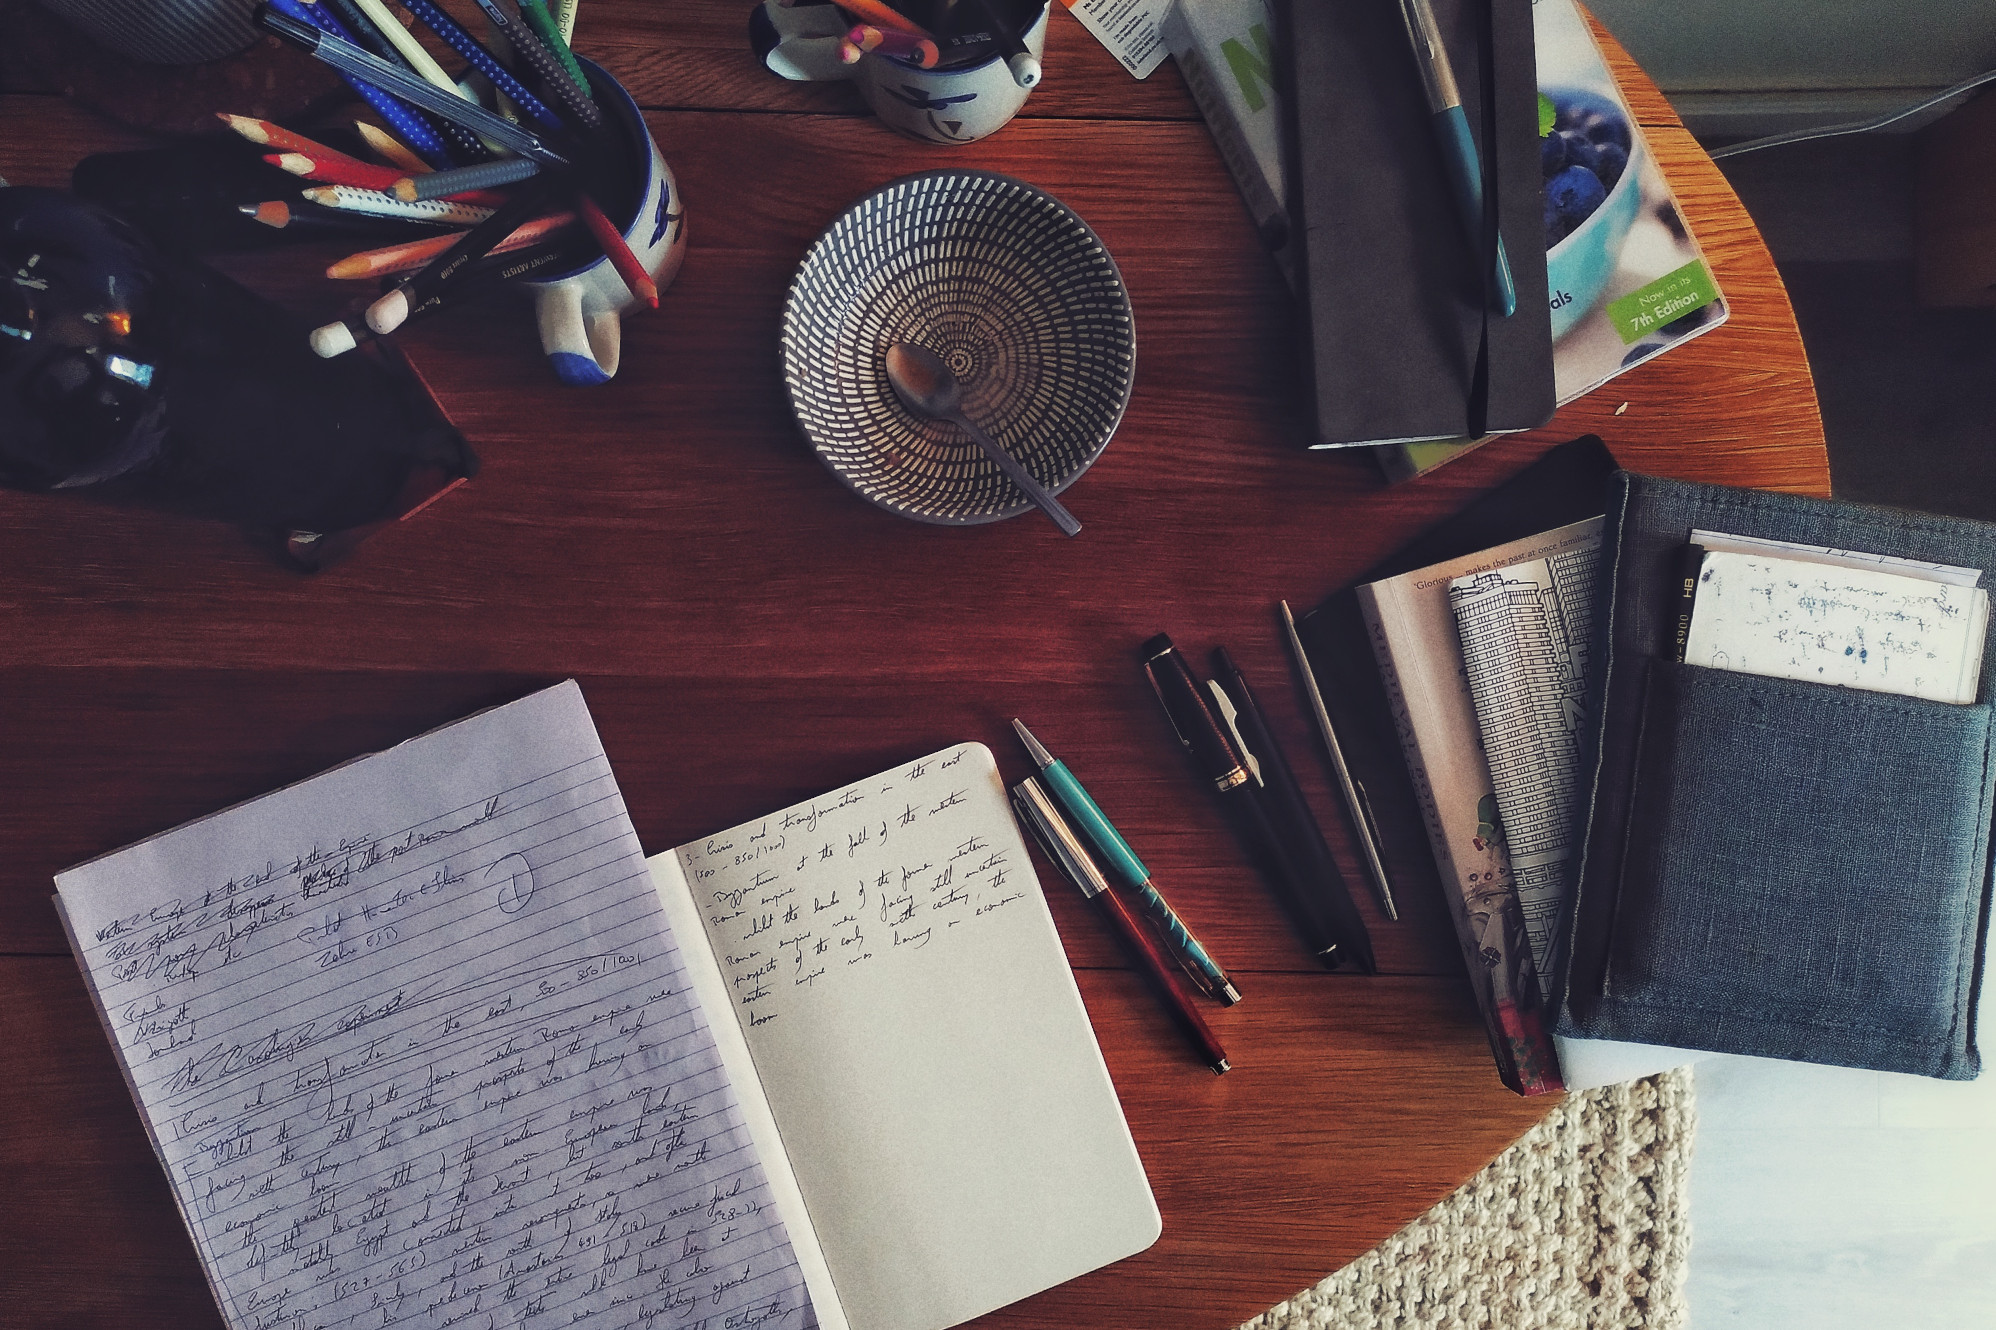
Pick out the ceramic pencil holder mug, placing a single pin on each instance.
(949, 104)
(580, 310)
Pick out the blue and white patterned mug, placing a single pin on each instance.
(959, 105)
(580, 310)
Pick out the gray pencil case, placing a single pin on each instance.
(1772, 867)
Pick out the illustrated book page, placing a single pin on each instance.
(897, 982)
(1524, 630)
(416, 1046)
(1415, 639)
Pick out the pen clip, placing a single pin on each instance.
(1233, 719)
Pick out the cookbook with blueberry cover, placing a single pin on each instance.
(1626, 280)
(1402, 340)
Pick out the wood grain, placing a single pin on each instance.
(749, 633)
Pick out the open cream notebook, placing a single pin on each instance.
(425, 1041)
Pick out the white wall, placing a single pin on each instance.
(1744, 67)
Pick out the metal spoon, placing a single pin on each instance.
(926, 387)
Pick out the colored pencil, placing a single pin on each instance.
(265, 133)
(553, 78)
(402, 117)
(383, 35)
(390, 147)
(882, 15)
(341, 170)
(443, 184)
(564, 18)
(374, 203)
(413, 254)
(535, 12)
(387, 313)
(619, 253)
(351, 59)
(302, 219)
(466, 45)
(368, 33)
(479, 279)
(918, 51)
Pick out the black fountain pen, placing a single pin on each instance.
(1221, 762)
(1290, 811)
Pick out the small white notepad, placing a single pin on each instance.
(1858, 627)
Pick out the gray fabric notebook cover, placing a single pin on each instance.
(1770, 867)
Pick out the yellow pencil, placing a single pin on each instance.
(392, 148)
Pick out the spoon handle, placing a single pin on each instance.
(1021, 477)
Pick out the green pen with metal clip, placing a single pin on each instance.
(1109, 843)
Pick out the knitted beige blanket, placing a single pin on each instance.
(1579, 1226)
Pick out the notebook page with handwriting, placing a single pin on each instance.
(895, 976)
(416, 1047)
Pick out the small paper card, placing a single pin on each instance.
(1867, 628)
(1128, 28)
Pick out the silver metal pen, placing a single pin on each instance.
(1366, 831)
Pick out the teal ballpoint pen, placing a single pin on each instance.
(1452, 129)
(1109, 843)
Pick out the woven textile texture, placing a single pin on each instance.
(1581, 1225)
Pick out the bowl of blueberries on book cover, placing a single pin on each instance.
(1593, 193)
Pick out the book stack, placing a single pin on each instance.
(1632, 744)
(1625, 278)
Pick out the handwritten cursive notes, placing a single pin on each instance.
(1860, 627)
(417, 1048)
(923, 1054)
(797, 902)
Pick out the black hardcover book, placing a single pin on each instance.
(1400, 343)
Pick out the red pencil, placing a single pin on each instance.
(338, 170)
(882, 15)
(276, 136)
(619, 253)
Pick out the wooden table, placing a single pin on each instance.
(749, 633)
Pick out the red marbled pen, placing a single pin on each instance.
(1062, 846)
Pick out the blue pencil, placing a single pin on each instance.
(481, 59)
(403, 119)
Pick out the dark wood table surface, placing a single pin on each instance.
(749, 633)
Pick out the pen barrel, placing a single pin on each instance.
(1176, 1000)
(1199, 966)
(1308, 909)
(1318, 879)
(1465, 175)
(1094, 824)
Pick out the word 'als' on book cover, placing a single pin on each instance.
(425, 1039)
(1626, 279)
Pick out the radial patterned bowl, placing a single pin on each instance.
(1011, 289)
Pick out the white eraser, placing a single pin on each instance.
(335, 339)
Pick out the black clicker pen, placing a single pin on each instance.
(1221, 762)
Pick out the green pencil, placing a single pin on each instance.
(542, 25)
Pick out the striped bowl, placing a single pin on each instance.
(1013, 290)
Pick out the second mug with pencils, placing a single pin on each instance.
(944, 71)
